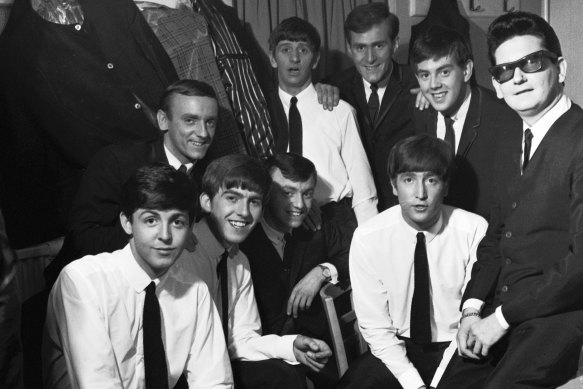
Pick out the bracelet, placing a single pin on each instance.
(470, 314)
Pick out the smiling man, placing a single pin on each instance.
(345, 190)
(377, 87)
(470, 119)
(522, 323)
(234, 188)
(409, 266)
(290, 264)
(187, 118)
(130, 319)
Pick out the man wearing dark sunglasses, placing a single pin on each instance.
(522, 318)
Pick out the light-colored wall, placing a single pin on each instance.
(565, 17)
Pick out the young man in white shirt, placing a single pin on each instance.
(409, 266)
(233, 190)
(330, 139)
(130, 319)
(470, 118)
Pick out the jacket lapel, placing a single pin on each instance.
(471, 124)
(391, 93)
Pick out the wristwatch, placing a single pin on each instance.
(326, 273)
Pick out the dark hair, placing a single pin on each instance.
(364, 17)
(295, 29)
(236, 171)
(292, 166)
(185, 88)
(420, 153)
(513, 24)
(160, 187)
(438, 42)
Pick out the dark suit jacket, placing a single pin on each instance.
(274, 278)
(65, 94)
(531, 260)
(471, 187)
(394, 121)
(94, 225)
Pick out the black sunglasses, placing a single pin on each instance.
(531, 63)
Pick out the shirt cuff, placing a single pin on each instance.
(333, 272)
(285, 349)
(473, 303)
(411, 379)
(365, 209)
(501, 320)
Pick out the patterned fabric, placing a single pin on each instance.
(240, 82)
(184, 36)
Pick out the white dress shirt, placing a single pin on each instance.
(380, 91)
(332, 142)
(381, 272)
(245, 340)
(459, 119)
(94, 334)
(174, 162)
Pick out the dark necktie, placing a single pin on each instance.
(182, 169)
(295, 127)
(420, 321)
(224, 283)
(373, 103)
(527, 145)
(449, 133)
(154, 355)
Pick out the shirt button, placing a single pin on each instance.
(78, 27)
(514, 205)
(137, 106)
(505, 288)
(508, 261)
(508, 234)
(110, 66)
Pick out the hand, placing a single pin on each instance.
(421, 102)
(311, 352)
(487, 331)
(328, 95)
(313, 221)
(466, 341)
(304, 292)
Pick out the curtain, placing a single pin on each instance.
(262, 16)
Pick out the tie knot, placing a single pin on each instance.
(374, 88)
(294, 100)
(528, 134)
(420, 237)
(151, 288)
(448, 119)
(182, 169)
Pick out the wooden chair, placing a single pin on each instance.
(347, 341)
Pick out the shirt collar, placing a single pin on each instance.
(304, 95)
(431, 233)
(135, 275)
(462, 111)
(542, 126)
(174, 162)
(207, 240)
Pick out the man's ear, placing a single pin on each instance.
(162, 119)
(272, 60)
(396, 43)
(562, 66)
(126, 223)
(315, 60)
(468, 70)
(205, 202)
(394, 187)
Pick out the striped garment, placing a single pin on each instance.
(247, 99)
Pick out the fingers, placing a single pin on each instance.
(292, 303)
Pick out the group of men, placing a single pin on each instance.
(199, 273)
